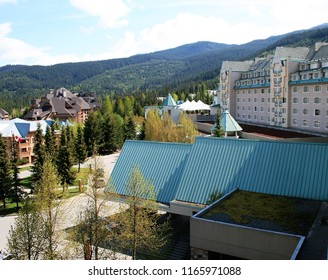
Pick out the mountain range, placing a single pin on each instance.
(162, 70)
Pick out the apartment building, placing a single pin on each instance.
(288, 89)
(63, 105)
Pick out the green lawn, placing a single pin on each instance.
(10, 208)
(83, 175)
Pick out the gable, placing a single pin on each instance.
(162, 163)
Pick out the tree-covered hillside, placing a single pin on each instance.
(177, 69)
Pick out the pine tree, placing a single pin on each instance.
(92, 132)
(39, 154)
(129, 129)
(218, 131)
(65, 161)
(6, 180)
(50, 142)
(80, 150)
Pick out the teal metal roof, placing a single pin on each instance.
(163, 163)
(228, 123)
(272, 167)
(169, 101)
(191, 173)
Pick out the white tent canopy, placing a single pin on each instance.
(194, 106)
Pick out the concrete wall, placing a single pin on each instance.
(185, 209)
(242, 242)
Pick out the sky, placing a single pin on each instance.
(46, 32)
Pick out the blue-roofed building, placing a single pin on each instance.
(190, 173)
(23, 132)
(185, 177)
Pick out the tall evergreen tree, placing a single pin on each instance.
(39, 154)
(129, 129)
(50, 143)
(218, 131)
(80, 150)
(92, 132)
(5, 172)
(65, 161)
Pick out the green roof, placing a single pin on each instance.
(169, 101)
(191, 173)
(163, 163)
(228, 123)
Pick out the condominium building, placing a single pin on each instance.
(288, 89)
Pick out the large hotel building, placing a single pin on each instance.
(288, 89)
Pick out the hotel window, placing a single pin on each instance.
(304, 76)
(262, 118)
(249, 117)
(305, 111)
(305, 100)
(249, 108)
(255, 109)
(295, 100)
(284, 110)
(317, 112)
(326, 113)
(316, 124)
(238, 108)
(262, 90)
(255, 117)
(262, 100)
(262, 109)
(316, 76)
(283, 120)
(295, 121)
(305, 123)
(255, 99)
(238, 100)
(295, 89)
(249, 100)
(238, 115)
(305, 89)
(317, 100)
(317, 88)
(295, 111)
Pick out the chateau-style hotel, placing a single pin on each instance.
(288, 89)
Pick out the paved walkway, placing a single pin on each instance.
(72, 208)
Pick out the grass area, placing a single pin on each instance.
(26, 182)
(10, 208)
(24, 168)
(293, 215)
(71, 192)
(83, 175)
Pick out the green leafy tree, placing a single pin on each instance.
(153, 126)
(136, 227)
(6, 180)
(80, 150)
(107, 106)
(187, 130)
(47, 203)
(91, 230)
(26, 237)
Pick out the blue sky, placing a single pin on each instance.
(47, 32)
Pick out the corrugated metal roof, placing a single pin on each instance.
(272, 167)
(169, 101)
(228, 123)
(163, 163)
(191, 173)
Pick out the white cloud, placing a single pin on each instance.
(111, 13)
(15, 51)
(8, 1)
(186, 28)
